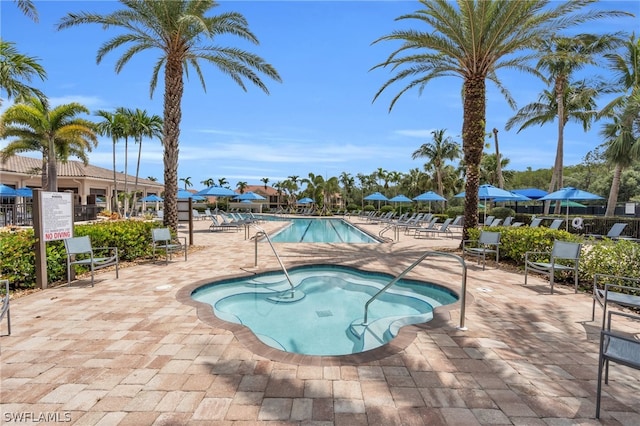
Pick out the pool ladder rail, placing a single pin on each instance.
(290, 295)
(463, 290)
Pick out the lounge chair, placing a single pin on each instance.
(444, 229)
(413, 228)
(564, 256)
(80, 252)
(488, 221)
(556, 224)
(508, 221)
(494, 223)
(621, 348)
(4, 309)
(612, 289)
(614, 232)
(488, 243)
(222, 226)
(535, 222)
(162, 241)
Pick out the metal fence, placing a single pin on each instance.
(21, 214)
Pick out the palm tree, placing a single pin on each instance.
(241, 186)
(473, 41)
(348, 183)
(126, 118)
(208, 182)
(143, 125)
(265, 181)
(578, 105)
(28, 8)
(562, 58)
(222, 182)
(15, 68)
(112, 126)
(55, 132)
(498, 160)
(181, 32)
(623, 133)
(438, 152)
(187, 182)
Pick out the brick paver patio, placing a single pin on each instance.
(130, 352)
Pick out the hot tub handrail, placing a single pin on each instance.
(413, 265)
(262, 232)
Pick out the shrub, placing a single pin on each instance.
(17, 262)
(353, 207)
(502, 212)
(610, 257)
(455, 211)
(515, 242)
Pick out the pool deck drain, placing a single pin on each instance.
(123, 353)
(325, 313)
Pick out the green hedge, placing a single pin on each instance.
(17, 257)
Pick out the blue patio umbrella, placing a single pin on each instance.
(429, 196)
(488, 192)
(306, 200)
(570, 193)
(514, 197)
(376, 196)
(151, 198)
(532, 193)
(7, 191)
(401, 198)
(249, 196)
(183, 194)
(24, 192)
(216, 191)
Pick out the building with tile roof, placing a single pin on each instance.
(86, 182)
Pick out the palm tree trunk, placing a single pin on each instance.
(126, 173)
(114, 196)
(52, 167)
(498, 160)
(174, 87)
(473, 132)
(135, 186)
(613, 193)
(559, 162)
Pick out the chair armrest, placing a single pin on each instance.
(465, 242)
(526, 255)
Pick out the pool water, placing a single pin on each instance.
(327, 314)
(321, 231)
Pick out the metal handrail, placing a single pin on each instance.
(413, 265)
(386, 228)
(263, 233)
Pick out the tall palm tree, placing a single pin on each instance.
(187, 182)
(562, 58)
(16, 69)
(223, 182)
(111, 126)
(623, 134)
(181, 32)
(125, 115)
(265, 181)
(241, 186)
(438, 152)
(143, 125)
(57, 133)
(347, 182)
(208, 182)
(578, 105)
(473, 40)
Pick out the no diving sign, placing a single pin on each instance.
(57, 215)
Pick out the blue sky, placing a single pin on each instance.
(320, 119)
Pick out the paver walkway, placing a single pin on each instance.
(128, 352)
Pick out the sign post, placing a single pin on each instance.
(52, 220)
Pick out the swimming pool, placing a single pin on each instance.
(321, 230)
(326, 316)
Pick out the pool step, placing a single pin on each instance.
(371, 335)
